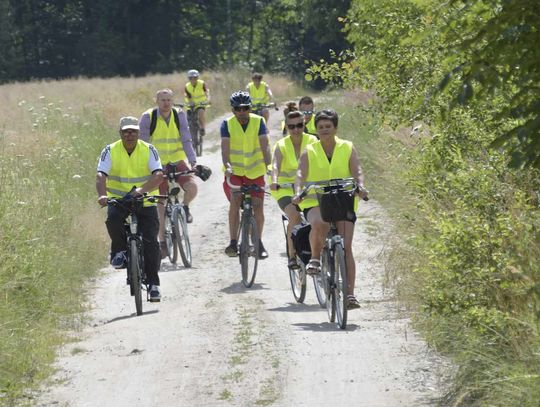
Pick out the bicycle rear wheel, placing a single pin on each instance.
(320, 281)
(181, 234)
(134, 270)
(249, 250)
(340, 285)
(298, 282)
(171, 236)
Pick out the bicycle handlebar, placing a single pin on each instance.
(243, 188)
(335, 184)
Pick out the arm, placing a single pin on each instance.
(226, 153)
(186, 139)
(276, 165)
(206, 92)
(356, 172)
(301, 176)
(101, 188)
(270, 95)
(265, 148)
(151, 184)
(144, 125)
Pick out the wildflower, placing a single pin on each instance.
(76, 176)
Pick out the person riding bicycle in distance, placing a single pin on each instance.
(284, 165)
(329, 158)
(260, 93)
(126, 163)
(167, 129)
(245, 155)
(196, 96)
(307, 107)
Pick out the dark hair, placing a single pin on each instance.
(256, 75)
(294, 114)
(327, 114)
(305, 100)
(289, 107)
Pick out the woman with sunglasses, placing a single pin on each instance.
(284, 166)
(329, 158)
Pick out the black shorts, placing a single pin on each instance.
(306, 211)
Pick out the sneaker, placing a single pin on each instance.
(352, 302)
(119, 260)
(263, 254)
(189, 216)
(164, 250)
(155, 294)
(232, 250)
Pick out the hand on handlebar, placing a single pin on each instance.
(362, 193)
(228, 169)
(274, 186)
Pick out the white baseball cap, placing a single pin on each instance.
(129, 122)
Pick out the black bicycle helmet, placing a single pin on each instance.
(240, 98)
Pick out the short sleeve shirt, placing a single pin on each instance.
(105, 162)
(225, 130)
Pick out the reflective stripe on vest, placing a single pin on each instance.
(196, 92)
(258, 95)
(246, 156)
(320, 169)
(128, 170)
(167, 140)
(289, 163)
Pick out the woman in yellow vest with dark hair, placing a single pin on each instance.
(328, 158)
(284, 166)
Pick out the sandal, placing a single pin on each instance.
(352, 302)
(293, 264)
(313, 267)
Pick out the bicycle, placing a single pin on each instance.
(248, 234)
(135, 256)
(194, 125)
(336, 203)
(258, 108)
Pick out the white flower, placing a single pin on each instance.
(76, 176)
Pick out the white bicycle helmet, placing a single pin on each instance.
(193, 73)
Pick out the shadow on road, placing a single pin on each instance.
(238, 288)
(154, 311)
(298, 307)
(167, 267)
(324, 327)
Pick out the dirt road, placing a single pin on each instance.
(211, 342)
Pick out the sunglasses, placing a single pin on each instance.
(241, 108)
(295, 126)
(307, 112)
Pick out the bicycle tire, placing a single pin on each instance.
(298, 282)
(135, 275)
(194, 130)
(199, 145)
(340, 285)
(328, 276)
(182, 236)
(249, 251)
(171, 235)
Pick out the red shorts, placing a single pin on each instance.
(242, 180)
(181, 179)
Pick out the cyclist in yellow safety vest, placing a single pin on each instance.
(197, 96)
(167, 129)
(328, 158)
(125, 164)
(307, 107)
(260, 93)
(245, 155)
(284, 166)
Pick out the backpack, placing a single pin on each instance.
(153, 120)
(300, 239)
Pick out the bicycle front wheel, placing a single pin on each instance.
(249, 250)
(298, 281)
(340, 285)
(134, 270)
(171, 236)
(327, 275)
(198, 144)
(182, 237)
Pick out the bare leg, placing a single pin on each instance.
(258, 211)
(190, 192)
(319, 230)
(234, 216)
(294, 219)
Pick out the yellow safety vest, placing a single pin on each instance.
(258, 95)
(167, 140)
(196, 92)
(245, 150)
(310, 126)
(320, 169)
(128, 170)
(289, 163)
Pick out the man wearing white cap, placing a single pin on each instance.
(124, 164)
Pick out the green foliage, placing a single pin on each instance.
(467, 72)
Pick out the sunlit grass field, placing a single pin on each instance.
(52, 232)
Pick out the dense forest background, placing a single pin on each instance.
(59, 39)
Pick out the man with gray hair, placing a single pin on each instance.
(167, 129)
